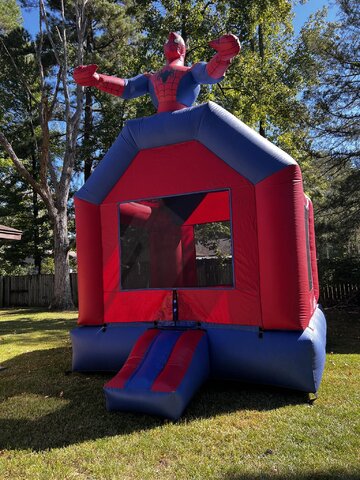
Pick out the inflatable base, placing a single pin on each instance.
(289, 359)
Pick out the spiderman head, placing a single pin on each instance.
(174, 48)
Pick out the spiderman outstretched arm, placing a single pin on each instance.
(227, 48)
(87, 76)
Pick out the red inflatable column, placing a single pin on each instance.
(189, 256)
(314, 267)
(286, 300)
(89, 258)
(136, 214)
(165, 253)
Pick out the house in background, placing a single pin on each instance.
(9, 233)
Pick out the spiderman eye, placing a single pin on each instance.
(176, 40)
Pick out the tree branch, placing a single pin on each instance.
(43, 16)
(43, 106)
(22, 170)
(72, 120)
(56, 91)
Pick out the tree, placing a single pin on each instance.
(263, 84)
(21, 206)
(32, 253)
(9, 16)
(55, 103)
(111, 41)
(330, 53)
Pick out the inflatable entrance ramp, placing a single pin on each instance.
(162, 373)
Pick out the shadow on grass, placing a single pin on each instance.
(343, 330)
(42, 407)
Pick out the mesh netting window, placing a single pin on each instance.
(182, 241)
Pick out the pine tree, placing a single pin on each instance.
(330, 52)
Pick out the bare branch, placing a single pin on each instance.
(64, 63)
(53, 176)
(43, 15)
(72, 120)
(43, 107)
(56, 91)
(45, 144)
(42, 190)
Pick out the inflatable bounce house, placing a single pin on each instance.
(196, 250)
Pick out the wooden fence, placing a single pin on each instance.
(31, 290)
(342, 294)
(37, 290)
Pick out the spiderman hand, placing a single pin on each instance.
(86, 75)
(227, 46)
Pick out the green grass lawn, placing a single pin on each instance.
(54, 425)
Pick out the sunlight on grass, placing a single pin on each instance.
(24, 330)
(55, 426)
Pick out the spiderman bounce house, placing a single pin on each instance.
(196, 249)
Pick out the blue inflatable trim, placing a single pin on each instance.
(103, 348)
(289, 359)
(137, 395)
(243, 149)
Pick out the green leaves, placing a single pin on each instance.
(10, 16)
(329, 54)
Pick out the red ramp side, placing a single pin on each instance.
(162, 373)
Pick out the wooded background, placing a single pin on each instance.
(299, 91)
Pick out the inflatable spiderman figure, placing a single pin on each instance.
(175, 86)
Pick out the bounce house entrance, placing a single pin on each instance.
(181, 241)
(169, 243)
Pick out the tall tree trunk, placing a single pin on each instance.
(35, 212)
(35, 209)
(262, 128)
(261, 42)
(88, 118)
(62, 299)
(88, 126)
(262, 57)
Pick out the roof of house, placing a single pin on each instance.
(9, 233)
(223, 248)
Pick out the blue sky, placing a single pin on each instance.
(302, 13)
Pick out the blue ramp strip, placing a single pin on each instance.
(138, 394)
(153, 362)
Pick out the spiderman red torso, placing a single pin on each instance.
(171, 88)
(164, 85)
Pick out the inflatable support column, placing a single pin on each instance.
(162, 373)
